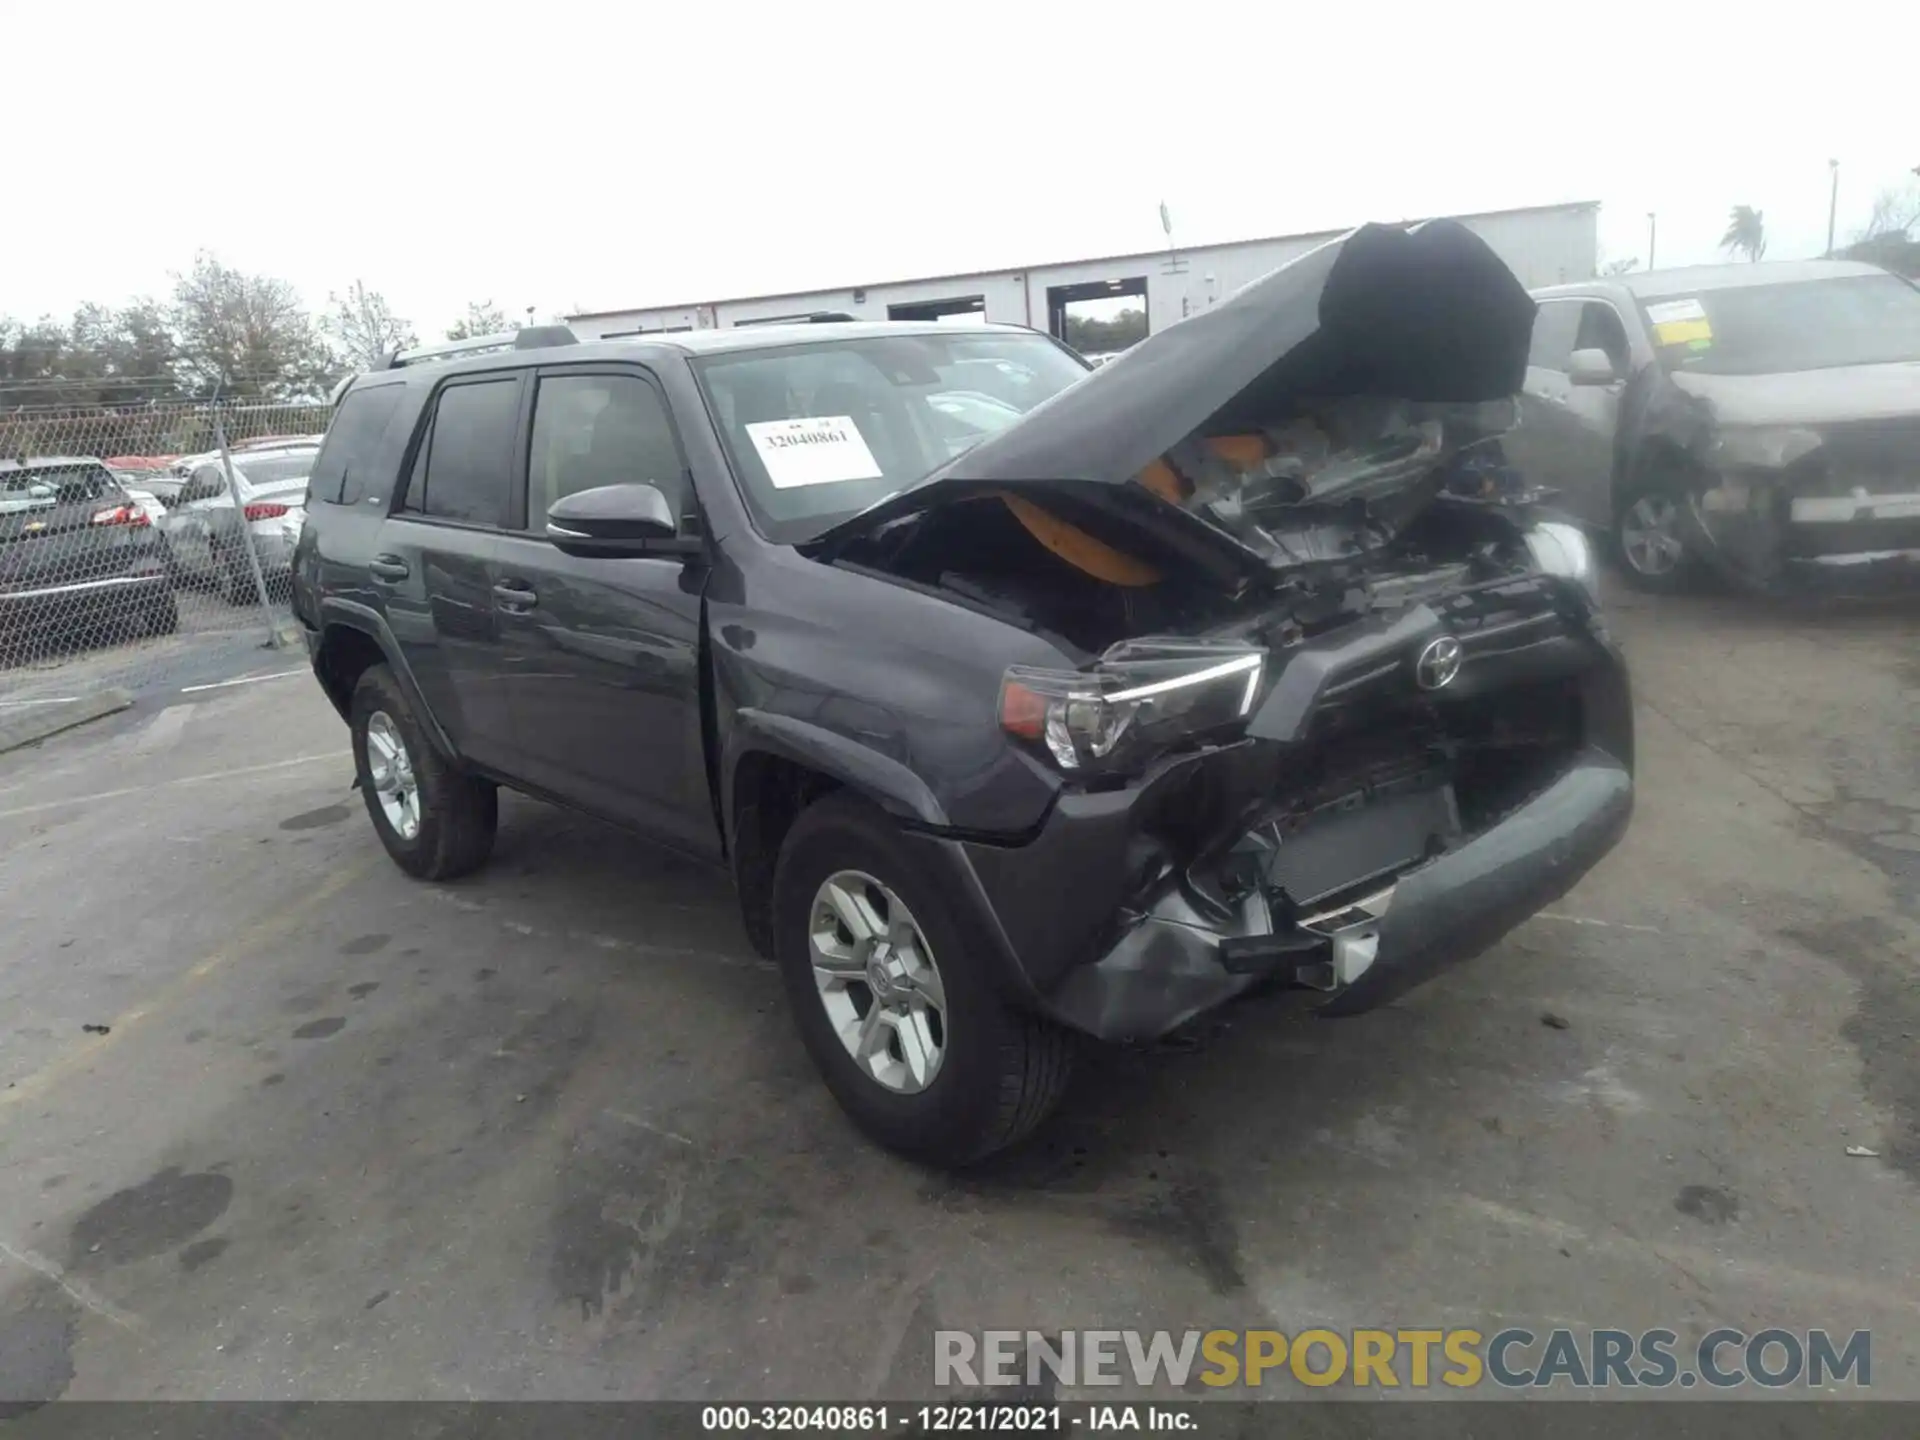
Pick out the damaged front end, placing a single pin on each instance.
(1785, 479)
(1336, 706)
(1348, 811)
(1796, 510)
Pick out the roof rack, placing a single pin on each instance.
(816, 317)
(527, 337)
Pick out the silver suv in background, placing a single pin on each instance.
(1761, 421)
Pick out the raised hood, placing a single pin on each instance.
(1427, 321)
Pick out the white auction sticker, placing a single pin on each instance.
(1667, 312)
(813, 450)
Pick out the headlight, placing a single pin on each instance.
(1141, 698)
(1767, 447)
(1559, 549)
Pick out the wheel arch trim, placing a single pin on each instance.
(351, 615)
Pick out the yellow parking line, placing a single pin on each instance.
(246, 942)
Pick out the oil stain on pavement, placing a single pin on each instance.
(314, 819)
(149, 1218)
(1708, 1204)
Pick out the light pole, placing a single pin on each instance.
(1833, 202)
(1650, 237)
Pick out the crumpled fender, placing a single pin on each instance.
(1665, 432)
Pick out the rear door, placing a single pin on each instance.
(432, 563)
(189, 524)
(603, 655)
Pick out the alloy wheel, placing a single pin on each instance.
(878, 981)
(390, 771)
(1650, 535)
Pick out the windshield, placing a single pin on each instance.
(817, 432)
(1777, 329)
(268, 469)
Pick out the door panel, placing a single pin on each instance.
(1565, 437)
(436, 585)
(602, 655)
(1588, 415)
(602, 658)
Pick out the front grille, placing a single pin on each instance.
(1882, 455)
(1491, 623)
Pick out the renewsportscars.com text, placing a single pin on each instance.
(1405, 1358)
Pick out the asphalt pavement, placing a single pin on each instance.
(548, 1132)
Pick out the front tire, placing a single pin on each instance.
(901, 1017)
(1647, 538)
(436, 822)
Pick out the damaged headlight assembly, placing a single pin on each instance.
(1561, 549)
(1143, 697)
(1765, 447)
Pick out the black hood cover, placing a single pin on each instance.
(1428, 313)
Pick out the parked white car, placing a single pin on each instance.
(205, 534)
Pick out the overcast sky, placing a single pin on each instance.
(597, 156)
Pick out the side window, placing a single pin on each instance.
(339, 475)
(206, 482)
(469, 454)
(594, 430)
(1600, 329)
(1554, 328)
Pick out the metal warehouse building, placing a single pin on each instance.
(1544, 244)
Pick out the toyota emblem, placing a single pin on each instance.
(1439, 662)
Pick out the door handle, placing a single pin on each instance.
(388, 567)
(515, 597)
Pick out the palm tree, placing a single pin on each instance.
(1746, 233)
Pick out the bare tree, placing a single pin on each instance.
(363, 327)
(1895, 212)
(1890, 239)
(247, 335)
(483, 317)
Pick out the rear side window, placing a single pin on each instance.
(339, 475)
(469, 454)
(1554, 328)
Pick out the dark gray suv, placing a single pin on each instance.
(1019, 700)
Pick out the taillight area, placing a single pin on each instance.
(122, 515)
(264, 510)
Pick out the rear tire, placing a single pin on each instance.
(999, 1072)
(444, 823)
(236, 580)
(163, 615)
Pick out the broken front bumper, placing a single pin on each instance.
(1311, 852)
(1171, 965)
(1858, 544)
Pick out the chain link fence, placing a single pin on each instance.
(146, 548)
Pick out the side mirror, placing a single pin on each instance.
(611, 521)
(1591, 367)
